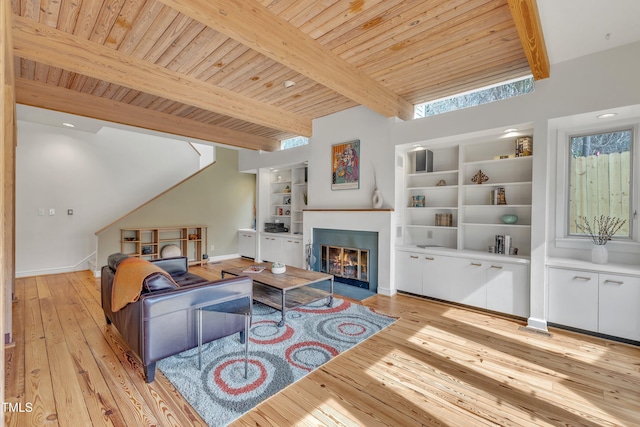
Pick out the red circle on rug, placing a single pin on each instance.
(236, 391)
(288, 333)
(358, 329)
(345, 305)
(310, 344)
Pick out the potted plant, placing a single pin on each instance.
(601, 230)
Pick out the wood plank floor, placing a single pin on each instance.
(437, 365)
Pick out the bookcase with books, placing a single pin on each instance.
(499, 205)
(464, 233)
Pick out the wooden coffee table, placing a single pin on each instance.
(287, 290)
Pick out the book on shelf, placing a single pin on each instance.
(498, 196)
(254, 269)
(503, 244)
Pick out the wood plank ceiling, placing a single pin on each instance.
(214, 69)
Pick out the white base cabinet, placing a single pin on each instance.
(247, 243)
(595, 301)
(285, 249)
(497, 286)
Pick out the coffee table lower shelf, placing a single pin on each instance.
(294, 297)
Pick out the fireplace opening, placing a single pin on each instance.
(351, 256)
(348, 265)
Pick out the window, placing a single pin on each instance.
(293, 142)
(476, 97)
(600, 179)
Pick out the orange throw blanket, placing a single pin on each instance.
(127, 283)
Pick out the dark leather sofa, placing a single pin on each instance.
(163, 320)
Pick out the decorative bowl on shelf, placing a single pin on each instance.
(509, 218)
(278, 268)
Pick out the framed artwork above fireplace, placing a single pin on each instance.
(345, 165)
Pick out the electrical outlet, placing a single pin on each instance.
(52, 211)
(213, 248)
(40, 211)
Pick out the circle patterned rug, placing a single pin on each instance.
(278, 356)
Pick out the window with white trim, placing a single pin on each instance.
(600, 180)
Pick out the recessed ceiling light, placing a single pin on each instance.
(510, 130)
(69, 125)
(607, 115)
(288, 83)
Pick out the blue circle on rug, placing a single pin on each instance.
(308, 355)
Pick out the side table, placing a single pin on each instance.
(239, 307)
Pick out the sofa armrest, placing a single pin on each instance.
(174, 266)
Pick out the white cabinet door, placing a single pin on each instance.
(468, 284)
(573, 298)
(508, 289)
(619, 313)
(409, 272)
(437, 272)
(247, 244)
(292, 252)
(271, 249)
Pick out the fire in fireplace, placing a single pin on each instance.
(348, 265)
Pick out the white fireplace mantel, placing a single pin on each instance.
(374, 220)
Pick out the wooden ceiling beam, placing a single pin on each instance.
(49, 46)
(527, 19)
(253, 25)
(42, 95)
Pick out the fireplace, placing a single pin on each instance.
(348, 265)
(351, 256)
(377, 223)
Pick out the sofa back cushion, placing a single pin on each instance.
(114, 260)
(157, 282)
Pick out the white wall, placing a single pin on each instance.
(376, 151)
(101, 176)
(592, 83)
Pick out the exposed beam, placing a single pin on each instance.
(55, 48)
(41, 95)
(527, 19)
(253, 25)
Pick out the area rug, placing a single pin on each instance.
(313, 334)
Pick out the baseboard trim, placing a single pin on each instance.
(219, 258)
(535, 331)
(539, 324)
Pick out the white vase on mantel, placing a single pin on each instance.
(599, 254)
(377, 199)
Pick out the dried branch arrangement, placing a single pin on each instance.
(602, 229)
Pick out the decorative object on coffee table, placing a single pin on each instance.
(278, 268)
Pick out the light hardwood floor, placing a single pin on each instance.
(437, 365)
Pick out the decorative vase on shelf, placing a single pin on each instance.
(599, 254)
(377, 199)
